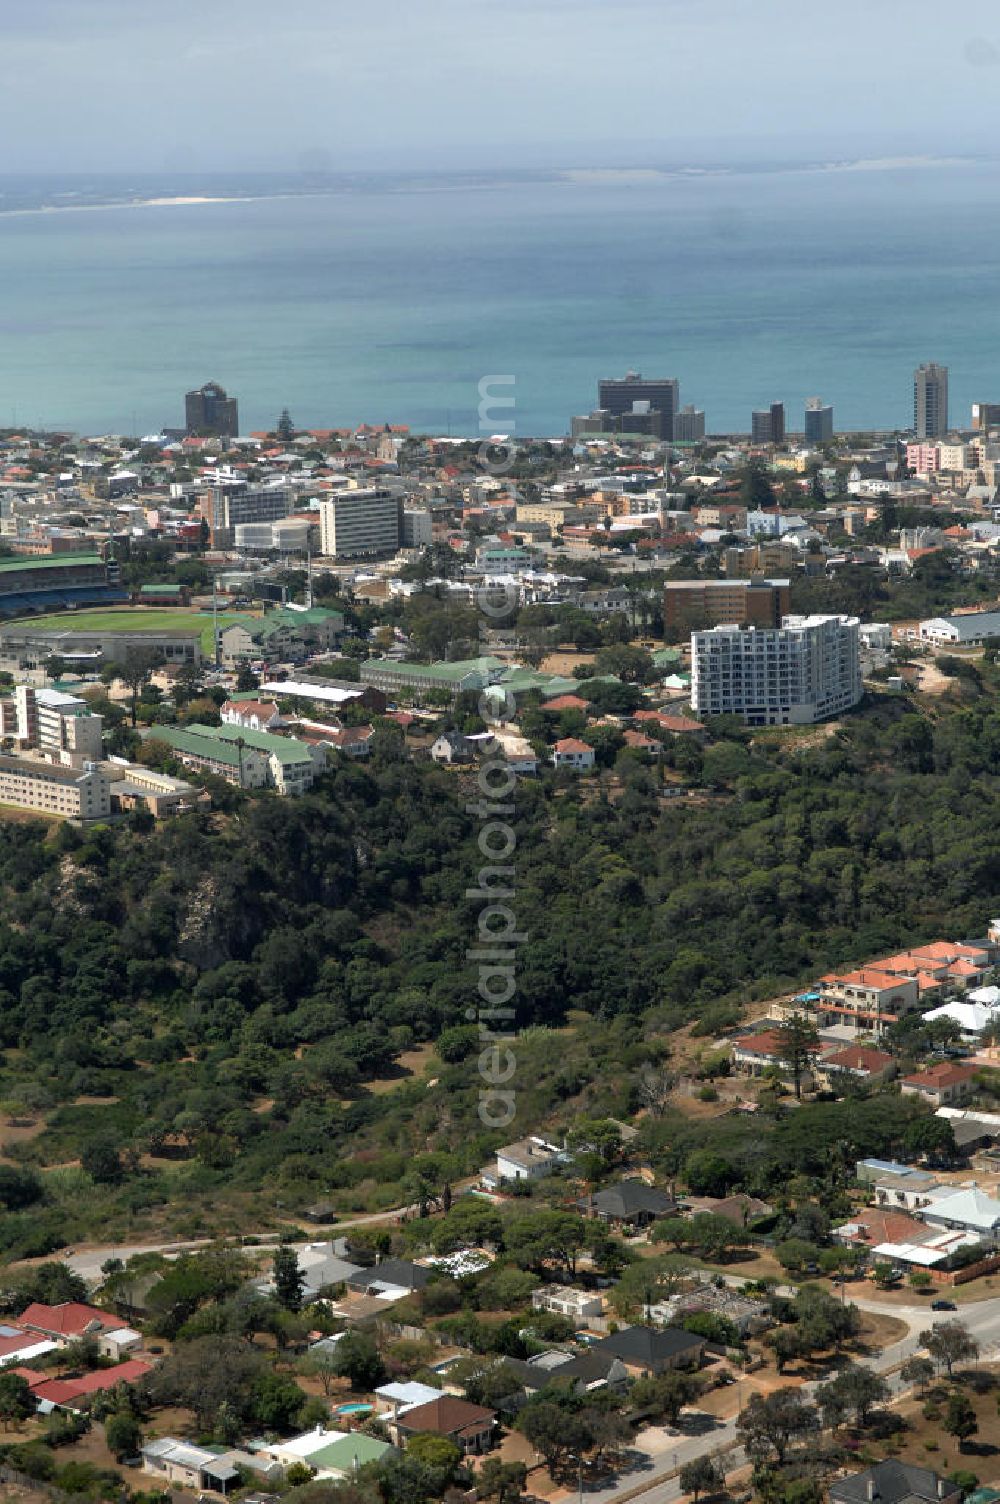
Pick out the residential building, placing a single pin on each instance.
(649, 1351)
(570, 752)
(755, 1053)
(912, 1190)
(689, 425)
(564, 1300)
(470, 1427)
(72, 793)
(360, 522)
(767, 425)
(390, 1274)
(941, 1084)
(818, 421)
(451, 747)
(967, 1209)
(254, 714)
(235, 503)
(528, 1159)
(69, 1321)
(858, 1062)
(342, 1456)
(985, 415)
(930, 401)
(893, 1482)
(209, 410)
(689, 605)
(61, 726)
(804, 671)
(73, 1394)
(867, 999)
(392, 1399)
(197, 1468)
(768, 557)
(631, 394)
(631, 1203)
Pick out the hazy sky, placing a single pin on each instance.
(204, 84)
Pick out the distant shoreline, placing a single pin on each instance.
(374, 184)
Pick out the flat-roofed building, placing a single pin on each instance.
(72, 793)
(360, 522)
(689, 605)
(804, 671)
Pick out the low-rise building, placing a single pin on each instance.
(134, 786)
(470, 1427)
(649, 1351)
(941, 1084)
(256, 715)
(244, 766)
(968, 629)
(631, 1203)
(893, 1482)
(528, 1159)
(70, 793)
(417, 679)
(564, 1300)
(570, 752)
(287, 634)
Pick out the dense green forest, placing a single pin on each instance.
(193, 1015)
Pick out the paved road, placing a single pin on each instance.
(656, 1482)
(88, 1262)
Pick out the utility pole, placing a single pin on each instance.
(215, 622)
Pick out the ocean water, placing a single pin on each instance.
(374, 300)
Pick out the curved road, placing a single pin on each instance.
(657, 1482)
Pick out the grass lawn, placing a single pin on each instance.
(141, 619)
(927, 1444)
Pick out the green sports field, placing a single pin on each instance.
(141, 619)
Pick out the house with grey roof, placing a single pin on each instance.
(631, 1203)
(649, 1351)
(893, 1482)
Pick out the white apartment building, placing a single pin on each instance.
(358, 522)
(803, 671)
(59, 725)
(73, 793)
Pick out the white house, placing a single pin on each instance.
(527, 1159)
(254, 715)
(570, 752)
(969, 1210)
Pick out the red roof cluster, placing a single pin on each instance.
(71, 1319)
(65, 1391)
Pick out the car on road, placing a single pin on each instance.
(943, 1305)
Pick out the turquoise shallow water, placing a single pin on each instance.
(392, 304)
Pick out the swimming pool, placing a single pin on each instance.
(353, 1409)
